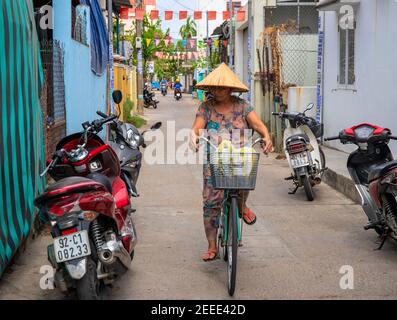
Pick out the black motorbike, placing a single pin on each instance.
(374, 172)
(149, 100)
(126, 140)
(163, 89)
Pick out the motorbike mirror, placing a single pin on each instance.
(117, 96)
(309, 107)
(156, 126)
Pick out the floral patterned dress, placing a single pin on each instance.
(221, 125)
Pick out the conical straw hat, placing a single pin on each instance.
(222, 76)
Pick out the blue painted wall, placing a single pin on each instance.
(85, 92)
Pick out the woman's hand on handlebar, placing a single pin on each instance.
(194, 141)
(267, 145)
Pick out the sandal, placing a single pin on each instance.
(209, 255)
(249, 216)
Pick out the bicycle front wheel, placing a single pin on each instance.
(232, 246)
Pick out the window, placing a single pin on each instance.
(79, 23)
(346, 75)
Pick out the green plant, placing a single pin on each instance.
(127, 108)
(189, 29)
(137, 121)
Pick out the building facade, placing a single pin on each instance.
(81, 30)
(276, 48)
(360, 69)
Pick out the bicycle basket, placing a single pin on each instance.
(234, 170)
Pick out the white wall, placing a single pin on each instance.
(376, 71)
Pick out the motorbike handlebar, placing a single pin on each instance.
(331, 138)
(58, 155)
(101, 114)
(393, 137)
(108, 119)
(280, 114)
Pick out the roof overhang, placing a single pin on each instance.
(335, 5)
(117, 4)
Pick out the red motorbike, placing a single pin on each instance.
(374, 172)
(90, 213)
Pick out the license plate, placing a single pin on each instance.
(299, 160)
(72, 246)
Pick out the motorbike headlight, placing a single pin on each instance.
(132, 139)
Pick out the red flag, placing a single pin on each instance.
(226, 15)
(139, 14)
(198, 15)
(168, 15)
(182, 15)
(240, 16)
(154, 14)
(124, 13)
(211, 15)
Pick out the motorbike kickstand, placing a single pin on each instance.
(294, 190)
(383, 240)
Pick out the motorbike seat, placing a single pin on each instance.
(297, 137)
(102, 179)
(381, 170)
(67, 186)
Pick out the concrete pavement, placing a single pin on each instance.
(294, 251)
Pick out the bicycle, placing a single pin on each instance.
(232, 175)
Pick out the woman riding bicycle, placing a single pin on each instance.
(224, 113)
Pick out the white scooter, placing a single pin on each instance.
(304, 155)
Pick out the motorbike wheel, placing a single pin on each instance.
(155, 105)
(90, 287)
(308, 188)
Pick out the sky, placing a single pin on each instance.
(190, 6)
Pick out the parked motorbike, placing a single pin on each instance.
(373, 170)
(304, 155)
(149, 100)
(178, 95)
(126, 140)
(164, 89)
(90, 213)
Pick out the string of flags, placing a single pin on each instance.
(181, 15)
(186, 43)
(180, 56)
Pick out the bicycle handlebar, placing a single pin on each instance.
(215, 147)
